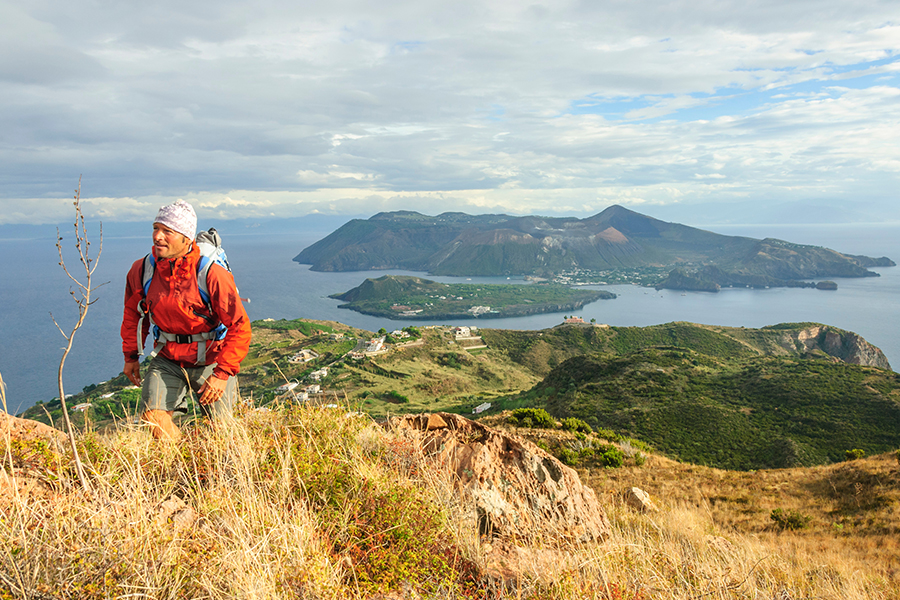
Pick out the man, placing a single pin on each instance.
(186, 358)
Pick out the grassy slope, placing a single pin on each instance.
(308, 502)
(729, 397)
(313, 490)
(756, 413)
(725, 403)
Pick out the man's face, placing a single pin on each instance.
(169, 243)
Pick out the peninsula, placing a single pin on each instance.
(404, 297)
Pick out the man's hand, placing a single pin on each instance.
(132, 371)
(212, 389)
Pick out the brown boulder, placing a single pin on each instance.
(639, 499)
(517, 489)
(34, 448)
(26, 430)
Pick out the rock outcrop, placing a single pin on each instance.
(26, 430)
(518, 490)
(844, 345)
(31, 447)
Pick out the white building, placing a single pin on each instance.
(481, 408)
(462, 332)
(287, 387)
(375, 345)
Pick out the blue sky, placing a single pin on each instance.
(693, 110)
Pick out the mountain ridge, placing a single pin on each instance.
(500, 245)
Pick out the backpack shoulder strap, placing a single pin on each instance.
(203, 266)
(147, 269)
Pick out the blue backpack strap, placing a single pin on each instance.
(202, 284)
(147, 272)
(147, 269)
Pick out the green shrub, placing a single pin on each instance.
(567, 456)
(535, 417)
(790, 520)
(854, 454)
(639, 459)
(396, 397)
(611, 456)
(575, 425)
(607, 434)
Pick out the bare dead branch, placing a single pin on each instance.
(83, 301)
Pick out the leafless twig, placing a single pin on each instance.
(83, 300)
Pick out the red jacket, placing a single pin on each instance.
(173, 299)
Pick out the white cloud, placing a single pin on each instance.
(457, 106)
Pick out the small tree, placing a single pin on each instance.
(83, 299)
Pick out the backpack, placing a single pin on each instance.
(211, 252)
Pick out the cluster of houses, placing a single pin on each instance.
(304, 394)
(306, 391)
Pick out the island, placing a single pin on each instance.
(617, 245)
(406, 297)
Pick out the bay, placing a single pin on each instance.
(32, 285)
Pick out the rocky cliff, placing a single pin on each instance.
(843, 345)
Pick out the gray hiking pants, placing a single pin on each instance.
(165, 387)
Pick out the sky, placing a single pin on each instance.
(741, 111)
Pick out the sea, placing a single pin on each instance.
(34, 290)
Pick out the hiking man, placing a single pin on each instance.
(198, 343)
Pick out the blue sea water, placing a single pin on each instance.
(32, 286)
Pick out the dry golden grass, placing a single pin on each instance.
(313, 503)
(853, 532)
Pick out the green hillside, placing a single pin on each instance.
(733, 413)
(728, 397)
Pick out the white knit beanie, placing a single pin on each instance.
(179, 216)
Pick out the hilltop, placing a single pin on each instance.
(500, 245)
